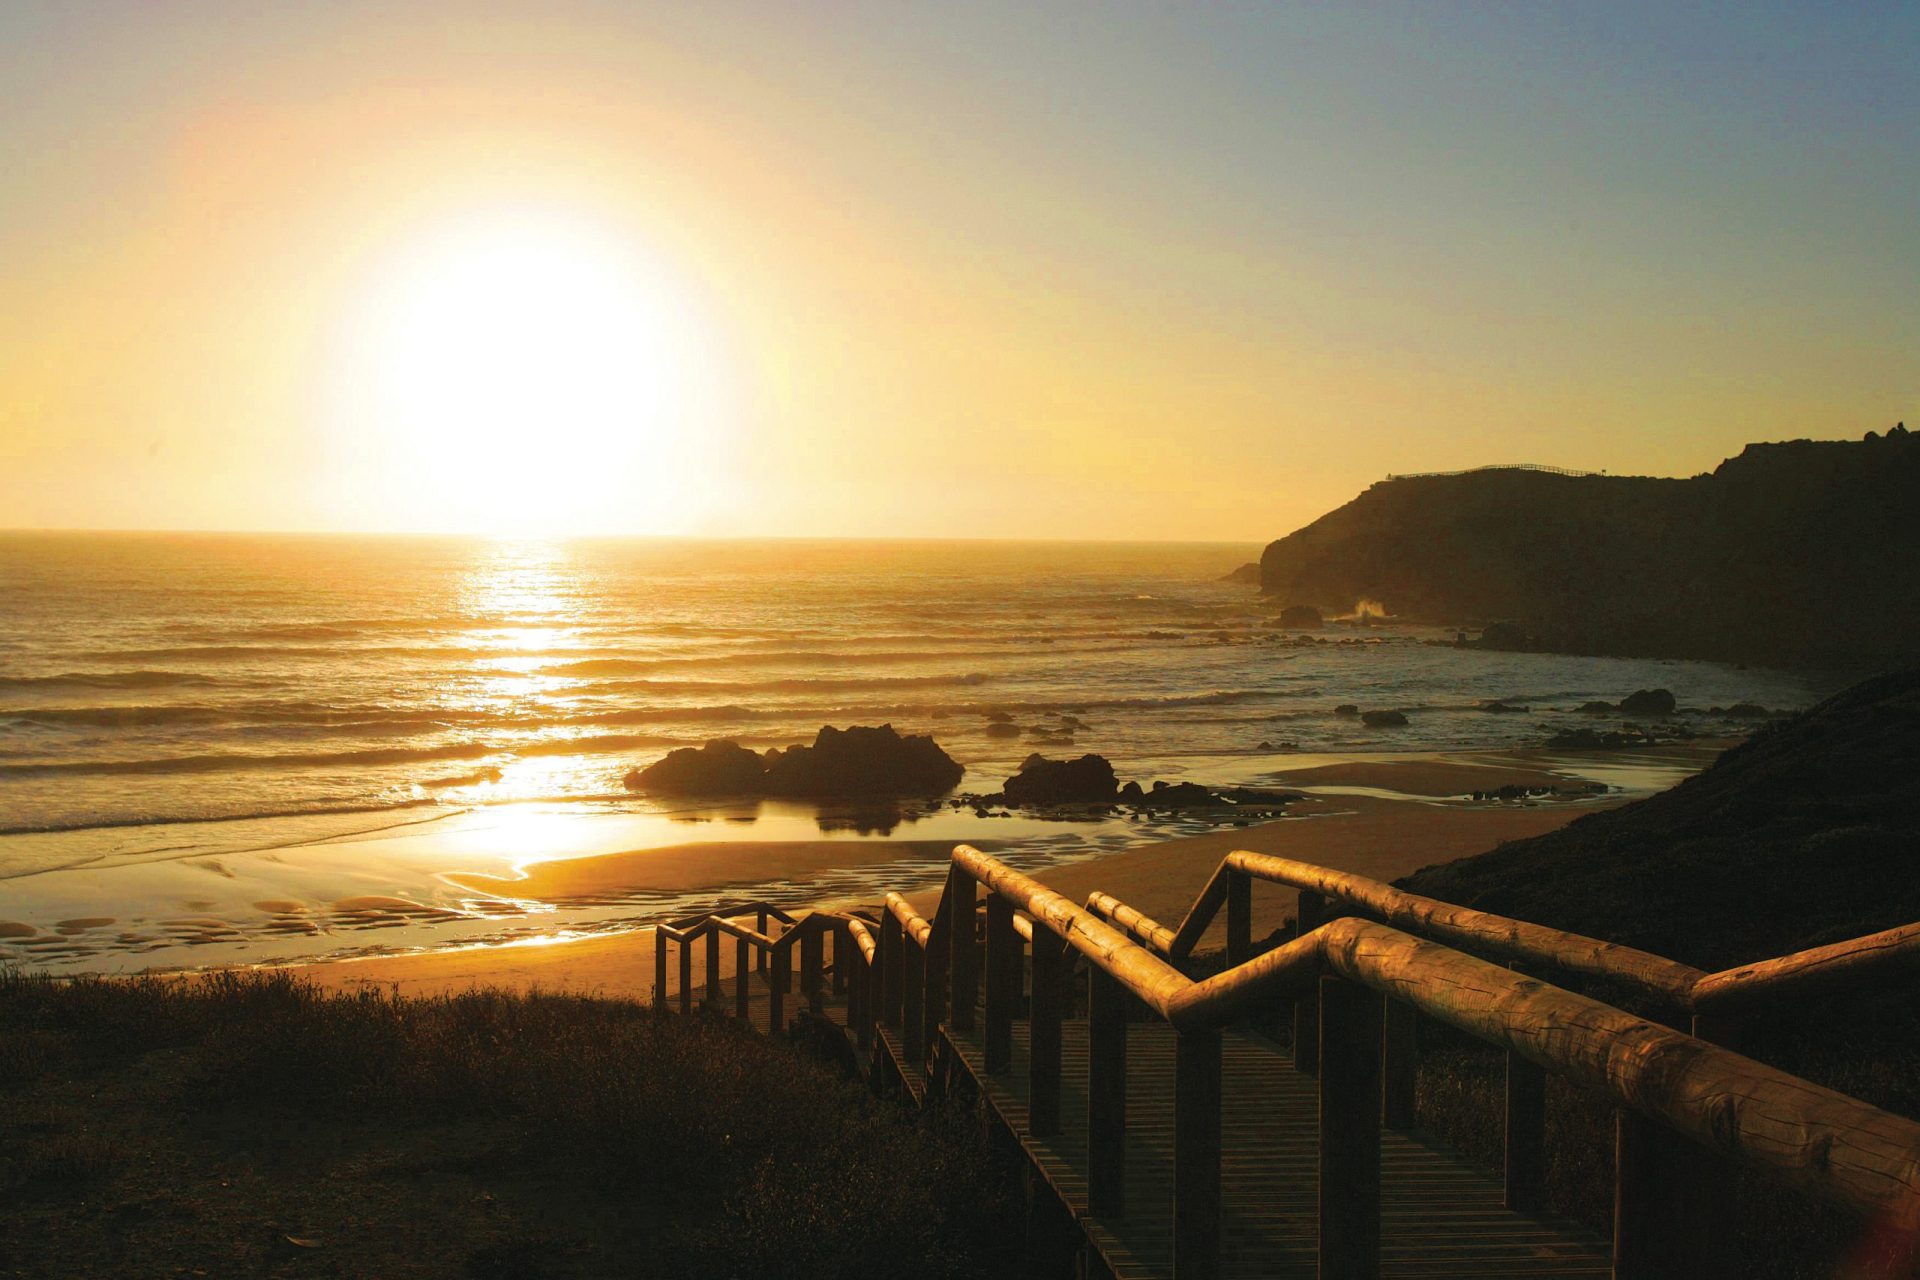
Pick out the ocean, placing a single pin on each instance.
(167, 698)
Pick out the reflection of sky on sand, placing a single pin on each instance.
(342, 891)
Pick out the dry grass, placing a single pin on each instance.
(482, 1135)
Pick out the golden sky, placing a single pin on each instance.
(1089, 272)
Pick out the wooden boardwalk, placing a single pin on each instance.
(1219, 1158)
(1441, 1217)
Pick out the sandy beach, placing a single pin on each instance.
(1376, 817)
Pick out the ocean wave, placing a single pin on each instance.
(107, 680)
(218, 762)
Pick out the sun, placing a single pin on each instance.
(533, 373)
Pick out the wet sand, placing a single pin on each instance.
(1371, 835)
(618, 875)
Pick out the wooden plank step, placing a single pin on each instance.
(1440, 1216)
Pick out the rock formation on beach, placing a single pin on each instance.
(856, 762)
(1802, 552)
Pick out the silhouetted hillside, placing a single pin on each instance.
(1807, 833)
(1804, 552)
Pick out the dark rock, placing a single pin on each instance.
(1497, 707)
(1346, 709)
(1088, 780)
(1596, 708)
(1131, 793)
(1648, 702)
(1747, 711)
(1505, 637)
(1180, 795)
(863, 761)
(1594, 740)
(1003, 729)
(1383, 719)
(1246, 575)
(1301, 617)
(1000, 717)
(722, 768)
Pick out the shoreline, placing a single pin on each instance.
(1378, 817)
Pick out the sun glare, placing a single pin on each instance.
(535, 375)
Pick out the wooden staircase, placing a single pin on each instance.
(1185, 1143)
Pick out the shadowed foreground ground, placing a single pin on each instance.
(252, 1126)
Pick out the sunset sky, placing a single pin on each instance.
(1090, 271)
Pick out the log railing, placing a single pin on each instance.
(1673, 1180)
(1675, 988)
(1353, 970)
(966, 970)
(768, 947)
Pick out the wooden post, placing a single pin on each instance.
(1239, 919)
(865, 990)
(812, 947)
(1050, 969)
(1526, 1131)
(713, 968)
(913, 1029)
(1106, 1094)
(686, 975)
(1003, 981)
(1350, 1035)
(962, 948)
(1399, 1065)
(659, 969)
(1526, 1158)
(1673, 1205)
(742, 968)
(891, 960)
(760, 923)
(1196, 1155)
(934, 958)
(842, 961)
(779, 974)
(1311, 914)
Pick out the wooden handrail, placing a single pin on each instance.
(1679, 987)
(1831, 1144)
(1478, 931)
(1816, 971)
(1357, 981)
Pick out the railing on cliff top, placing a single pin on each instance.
(1495, 466)
(1683, 1102)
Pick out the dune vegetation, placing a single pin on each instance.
(249, 1124)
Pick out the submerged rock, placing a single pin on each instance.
(1301, 617)
(1347, 709)
(721, 768)
(1383, 719)
(1088, 780)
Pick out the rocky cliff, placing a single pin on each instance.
(1802, 552)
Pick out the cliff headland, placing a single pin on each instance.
(1799, 553)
